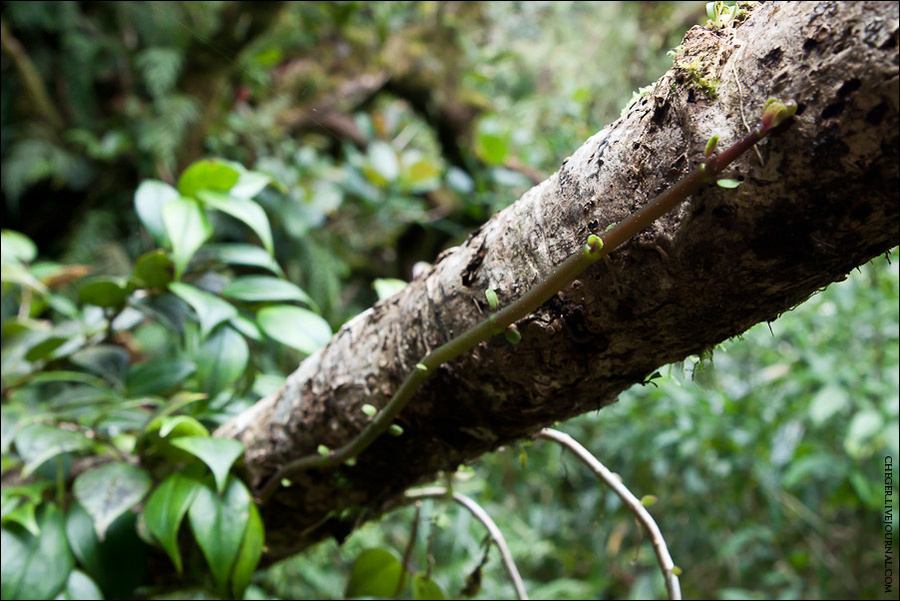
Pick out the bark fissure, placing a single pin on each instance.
(824, 200)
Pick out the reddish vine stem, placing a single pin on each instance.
(774, 114)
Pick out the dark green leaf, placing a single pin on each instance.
(35, 567)
(295, 327)
(221, 359)
(250, 553)
(105, 360)
(38, 443)
(157, 377)
(242, 254)
(166, 508)
(211, 310)
(118, 563)
(265, 288)
(219, 454)
(219, 523)
(154, 269)
(109, 491)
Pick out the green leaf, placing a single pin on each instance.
(208, 174)
(249, 184)
(80, 586)
(242, 254)
(728, 183)
(221, 359)
(383, 160)
(45, 347)
(211, 310)
(38, 443)
(13, 273)
(387, 287)
(375, 573)
(157, 377)
(242, 209)
(828, 401)
(118, 563)
(219, 454)
(109, 491)
(35, 567)
(22, 514)
(105, 292)
(154, 269)
(16, 247)
(250, 553)
(491, 148)
(254, 288)
(295, 327)
(106, 360)
(166, 508)
(187, 227)
(149, 200)
(178, 426)
(219, 523)
(424, 587)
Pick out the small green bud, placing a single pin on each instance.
(728, 183)
(323, 450)
(775, 113)
(593, 246)
(711, 146)
(512, 334)
(369, 410)
(395, 430)
(492, 299)
(648, 500)
(350, 462)
(285, 482)
(422, 367)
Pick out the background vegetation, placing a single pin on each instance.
(377, 135)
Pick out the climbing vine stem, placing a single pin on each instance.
(595, 248)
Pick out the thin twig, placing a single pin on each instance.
(407, 555)
(440, 492)
(659, 544)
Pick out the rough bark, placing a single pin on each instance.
(824, 201)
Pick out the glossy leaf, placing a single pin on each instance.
(295, 327)
(219, 523)
(109, 491)
(244, 210)
(187, 227)
(80, 586)
(157, 377)
(383, 160)
(219, 454)
(105, 360)
(166, 508)
(35, 567)
(211, 310)
(15, 246)
(249, 184)
(221, 359)
(38, 443)
(242, 254)
(149, 200)
(250, 553)
(208, 174)
(116, 564)
(375, 573)
(265, 288)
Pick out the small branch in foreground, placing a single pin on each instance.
(659, 544)
(441, 492)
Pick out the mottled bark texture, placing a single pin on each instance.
(824, 201)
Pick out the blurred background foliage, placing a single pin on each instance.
(390, 130)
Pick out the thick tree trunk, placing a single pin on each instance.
(823, 200)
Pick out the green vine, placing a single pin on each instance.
(596, 247)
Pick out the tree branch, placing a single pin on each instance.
(824, 202)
